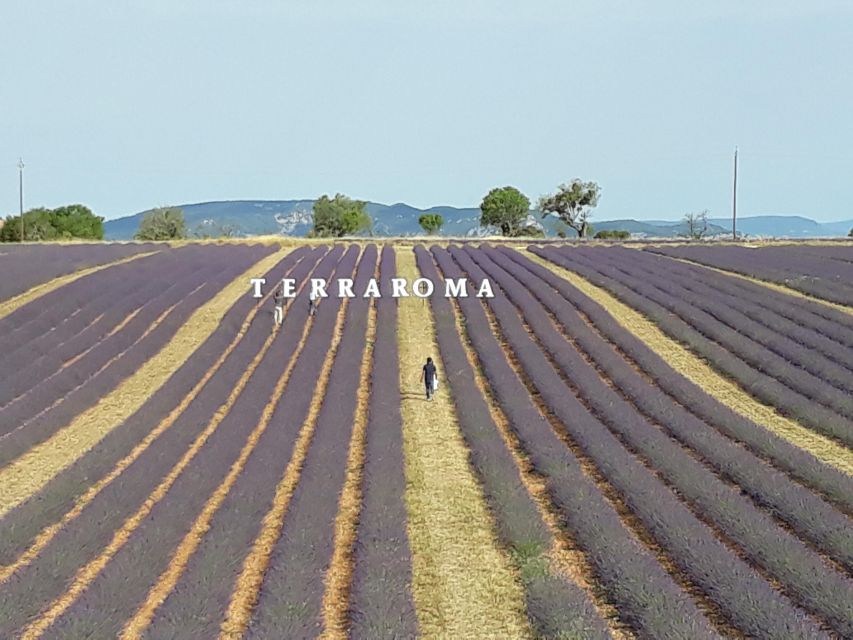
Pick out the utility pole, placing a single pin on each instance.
(21, 193)
(734, 201)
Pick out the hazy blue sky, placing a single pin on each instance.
(125, 105)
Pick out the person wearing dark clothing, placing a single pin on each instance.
(278, 301)
(429, 376)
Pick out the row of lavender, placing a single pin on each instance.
(601, 421)
(823, 272)
(28, 265)
(381, 604)
(766, 358)
(50, 392)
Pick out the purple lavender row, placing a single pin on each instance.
(801, 570)
(38, 387)
(22, 524)
(681, 394)
(646, 596)
(99, 303)
(804, 511)
(197, 606)
(123, 584)
(820, 278)
(152, 299)
(290, 602)
(69, 304)
(739, 344)
(736, 327)
(381, 604)
(779, 312)
(844, 253)
(23, 270)
(743, 595)
(766, 388)
(91, 391)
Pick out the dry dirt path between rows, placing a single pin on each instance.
(463, 584)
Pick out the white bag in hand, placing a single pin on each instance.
(435, 382)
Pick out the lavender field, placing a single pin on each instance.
(625, 443)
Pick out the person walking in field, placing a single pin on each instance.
(278, 301)
(429, 376)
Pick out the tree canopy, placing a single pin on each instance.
(162, 223)
(573, 204)
(339, 216)
(507, 209)
(63, 223)
(431, 222)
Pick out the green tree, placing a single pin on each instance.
(850, 235)
(77, 221)
(573, 204)
(63, 223)
(507, 209)
(339, 216)
(431, 222)
(162, 223)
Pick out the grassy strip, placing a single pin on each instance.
(463, 585)
(701, 374)
(36, 292)
(29, 473)
(556, 605)
(247, 586)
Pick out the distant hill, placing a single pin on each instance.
(293, 218)
(786, 226)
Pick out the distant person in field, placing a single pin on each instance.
(278, 301)
(429, 376)
(312, 304)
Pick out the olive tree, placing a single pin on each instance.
(572, 204)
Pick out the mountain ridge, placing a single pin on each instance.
(293, 218)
